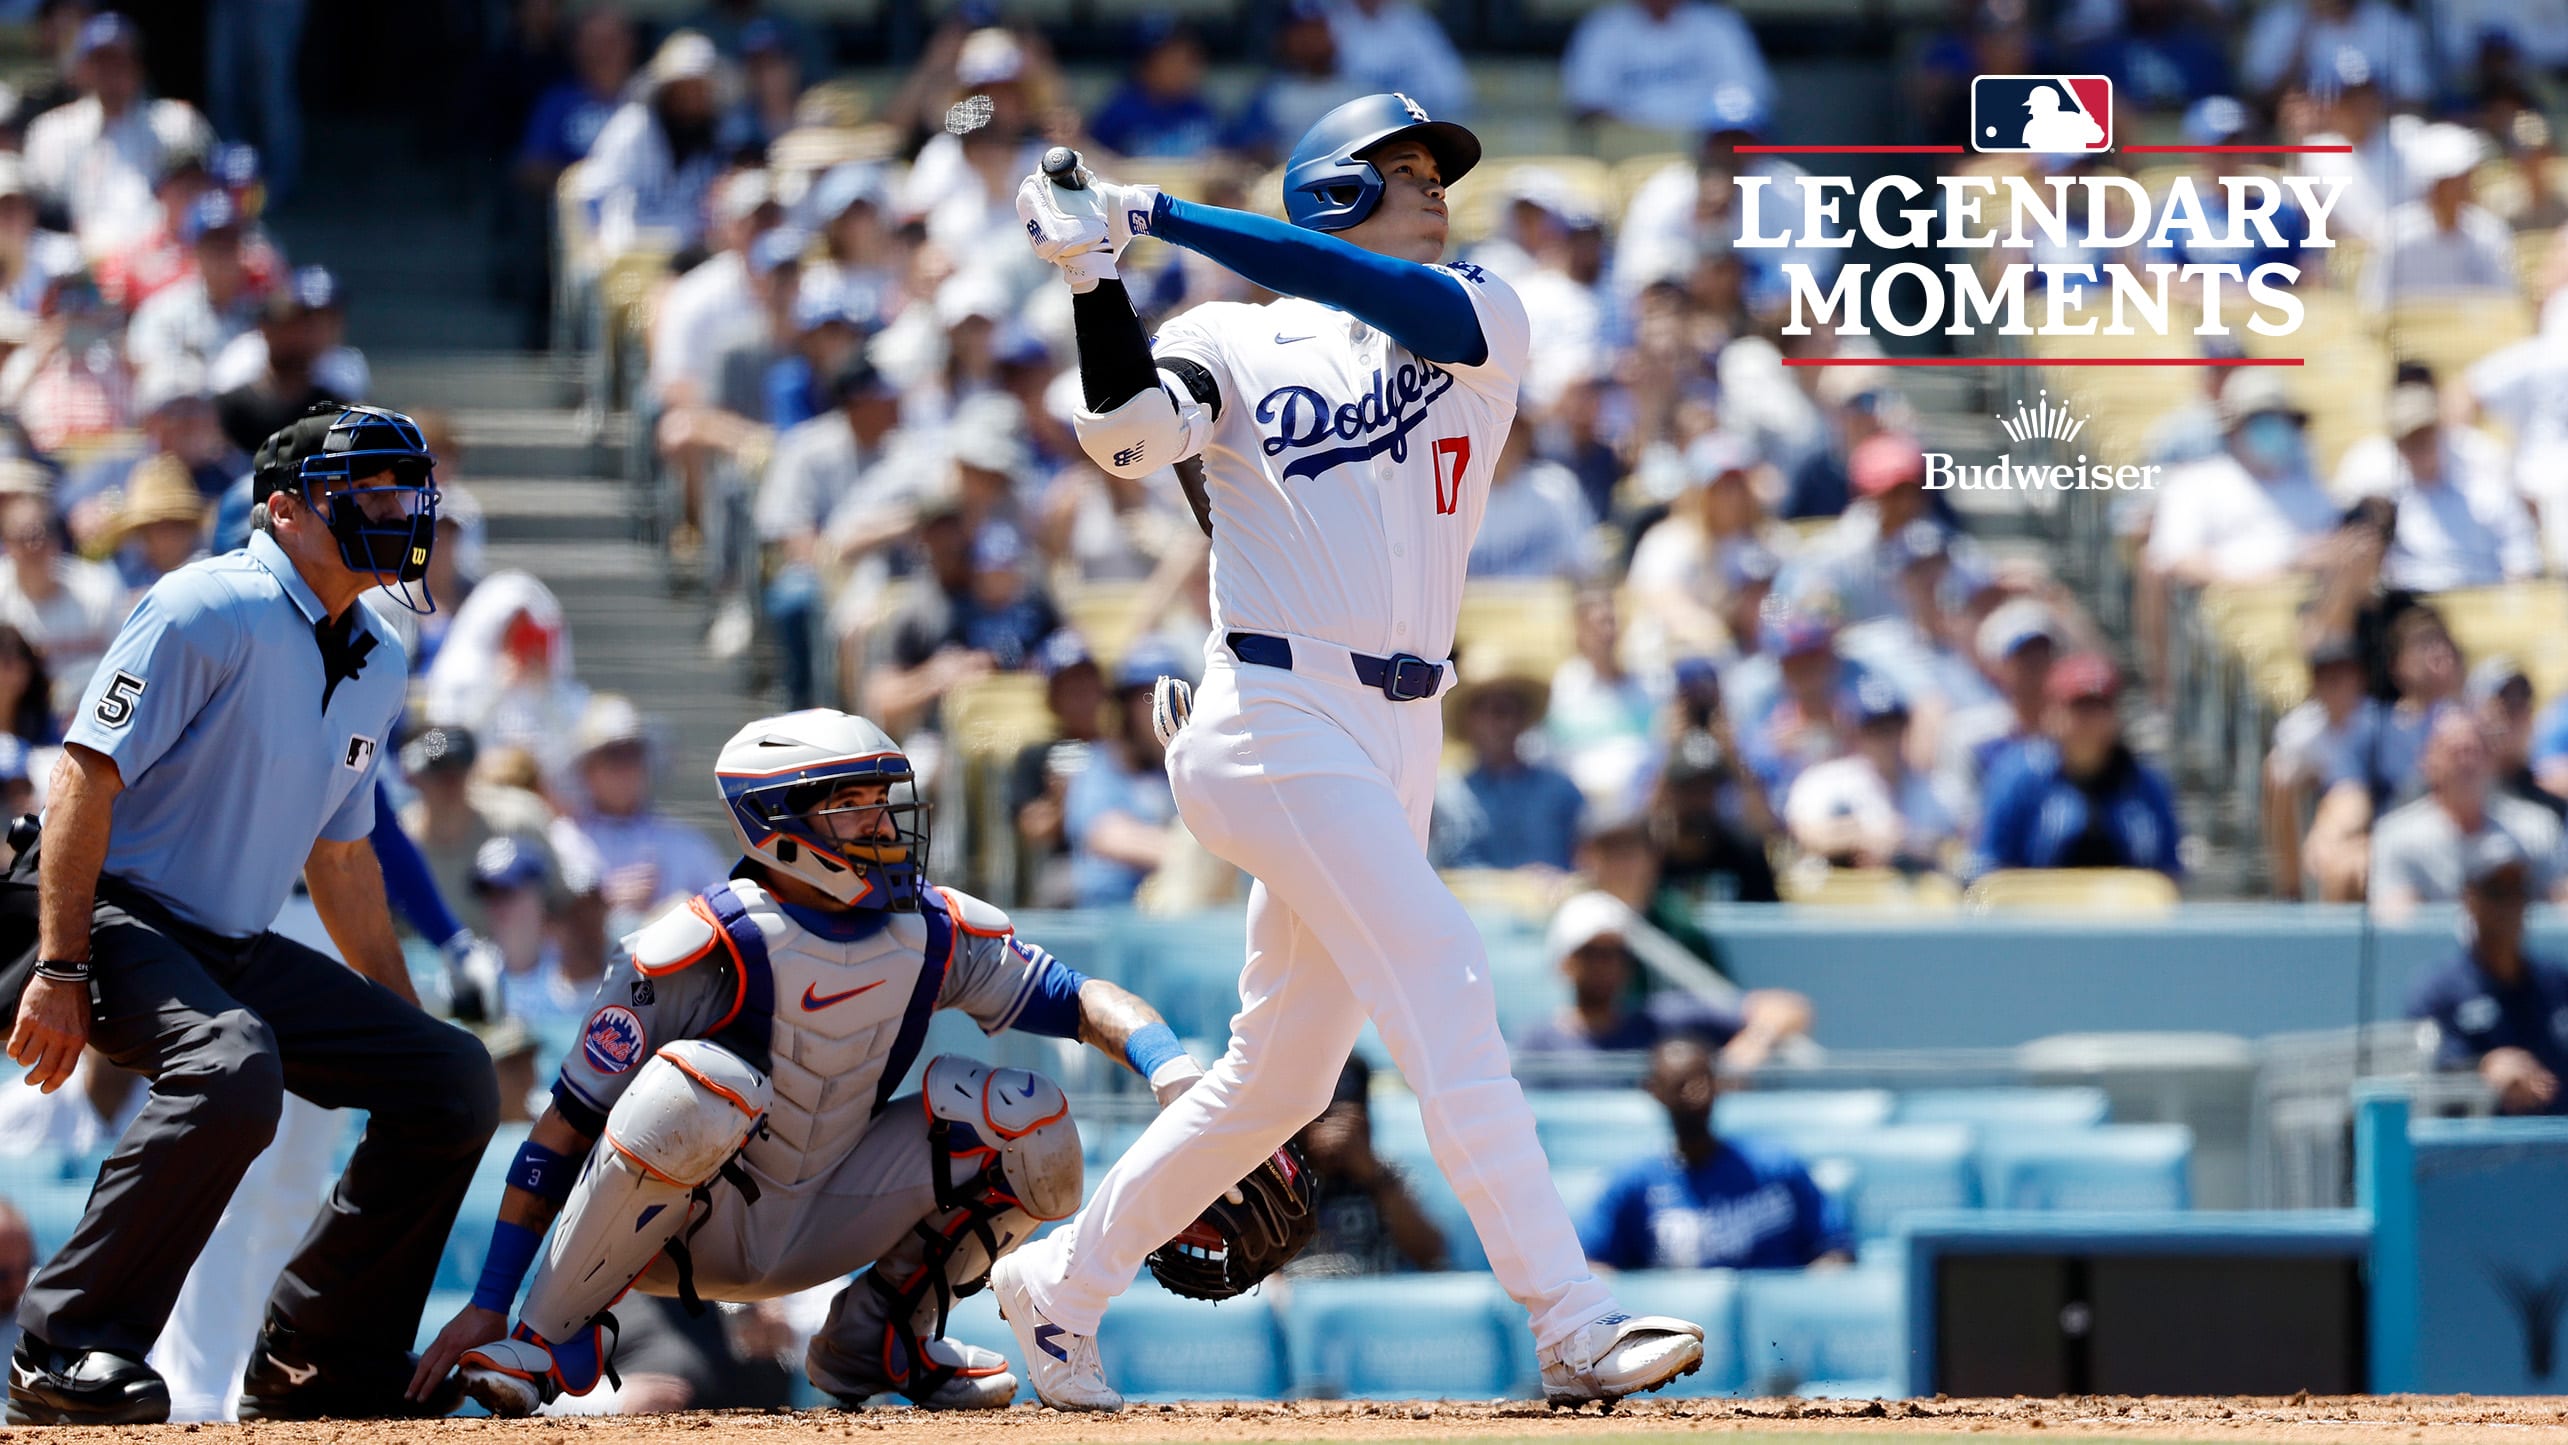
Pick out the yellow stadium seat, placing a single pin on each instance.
(1634, 172)
(1825, 887)
(2450, 334)
(2088, 891)
(1106, 614)
(1533, 621)
(997, 716)
(1515, 892)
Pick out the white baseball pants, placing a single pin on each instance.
(1321, 791)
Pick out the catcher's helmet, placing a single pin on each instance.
(1329, 185)
(776, 770)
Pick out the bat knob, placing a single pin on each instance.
(1061, 163)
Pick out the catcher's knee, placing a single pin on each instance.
(689, 1109)
(1014, 1118)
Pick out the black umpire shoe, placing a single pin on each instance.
(49, 1386)
(289, 1379)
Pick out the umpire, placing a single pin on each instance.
(229, 741)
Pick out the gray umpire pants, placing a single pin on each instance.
(224, 1028)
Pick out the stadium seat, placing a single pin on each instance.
(1158, 1346)
(1443, 1209)
(53, 1209)
(1836, 1334)
(1885, 1172)
(2003, 1108)
(2112, 1167)
(2090, 891)
(1451, 1336)
(1597, 1128)
(1708, 1297)
(1768, 1111)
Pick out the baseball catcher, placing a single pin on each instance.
(727, 1128)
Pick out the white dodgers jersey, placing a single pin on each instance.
(1347, 475)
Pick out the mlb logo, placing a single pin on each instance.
(2042, 114)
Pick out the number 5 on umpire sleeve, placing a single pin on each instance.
(116, 701)
(1453, 458)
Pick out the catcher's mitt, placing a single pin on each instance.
(1234, 1246)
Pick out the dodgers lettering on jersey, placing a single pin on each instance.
(1348, 475)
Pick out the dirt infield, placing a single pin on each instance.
(2373, 1418)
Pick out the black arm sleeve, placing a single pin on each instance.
(1114, 355)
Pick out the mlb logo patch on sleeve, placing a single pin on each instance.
(2042, 114)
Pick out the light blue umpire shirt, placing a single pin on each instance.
(212, 703)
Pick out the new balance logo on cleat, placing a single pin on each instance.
(1046, 1339)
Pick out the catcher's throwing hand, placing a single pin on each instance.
(1246, 1235)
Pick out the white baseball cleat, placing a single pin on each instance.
(1620, 1355)
(510, 1377)
(982, 1380)
(1063, 1366)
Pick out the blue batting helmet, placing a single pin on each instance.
(1329, 185)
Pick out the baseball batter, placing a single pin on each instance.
(1346, 432)
(728, 1127)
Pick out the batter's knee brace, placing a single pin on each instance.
(688, 1110)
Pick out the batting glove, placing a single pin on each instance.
(1083, 231)
(1171, 703)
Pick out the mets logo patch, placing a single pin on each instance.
(613, 1041)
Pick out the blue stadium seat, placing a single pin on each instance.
(53, 1208)
(1708, 1297)
(1772, 1111)
(1188, 968)
(1883, 1173)
(1399, 1133)
(2006, 1108)
(1837, 1334)
(1450, 1336)
(2113, 1166)
(1158, 1346)
(1444, 1210)
(1597, 1128)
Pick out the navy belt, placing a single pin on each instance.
(1400, 677)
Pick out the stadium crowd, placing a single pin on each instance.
(1730, 647)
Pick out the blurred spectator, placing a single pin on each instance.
(1074, 693)
(976, 612)
(1118, 813)
(1505, 810)
(1369, 1222)
(640, 856)
(1397, 45)
(159, 528)
(253, 50)
(1869, 808)
(656, 158)
(1534, 522)
(505, 671)
(2164, 54)
(339, 369)
(300, 329)
(2253, 512)
(2291, 36)
(70, 384)
(1859, 560)
(2496, 1009)
(2377, 764)
(964, 187)
(31, 258)
(849, 207)
(737, 27)
(2460, 521)
(812, 481)
(571, 114)
(1159, 113)
(98, 156)
(772, 79)
(191, 320)
(2530, 145)
(716, 308)
(1713, 1203)
(2220, 120)
(2307, 740)
(1802, 721)
(69, 609)
(132, 273)
(1859, 405)
(1677, 576)
(17, 1261)
(455, 814)
(2017, 644)
(2499, 694)
(1708, 823)
(1913, 649)
(26, 691)
(2079, 798)
(510, 888)
(2444, 244)
(2419, 849)
(2523, 388)
(2374, 178)
(1306, 83)
(1589, 944)
(1651, 62)
(826, 335)
(1601, 723)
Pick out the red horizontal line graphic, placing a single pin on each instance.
(2042, 361)
(2240, 150)
(1848, 150)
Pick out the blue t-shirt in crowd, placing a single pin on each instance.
(2038, 817)
(565, 124)
(1106, 786)
(1748, 1207)
(2476, 1016)
(2550, 732)
(2380, 750)
(1135, 124)
(1506, 820)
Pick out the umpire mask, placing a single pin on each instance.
(384, 512)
